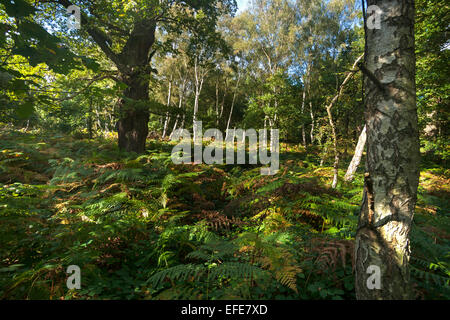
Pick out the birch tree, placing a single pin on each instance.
(382, 239)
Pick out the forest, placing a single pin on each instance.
(334, 183)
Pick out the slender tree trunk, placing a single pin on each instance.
(336, 153)
(357, 156)
(90, 119)
(167, 121)
(222, 105)
(217, 103)
(199, 79)
(382, 238)
(306, 89)
(312, 122)
(323, 157)
(180, 105)
(99, 124)
(232, 103)
(303, 111)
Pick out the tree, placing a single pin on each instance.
(332, 125)
(382, 239)
(24, 46)
(125, 31)
(433, 87)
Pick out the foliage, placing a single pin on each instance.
(141, 228)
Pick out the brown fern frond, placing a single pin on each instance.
(329, 253)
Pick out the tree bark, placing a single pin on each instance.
(132, 126)
(180, 105)
(356, 160)
(232, 104)
(135, 73)
(382, 238)
(167, 120)
(200, 75)
(312, 122)
(303, 111)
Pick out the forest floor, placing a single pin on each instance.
(141, 227)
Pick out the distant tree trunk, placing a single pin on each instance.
(324, 156)
(167, 120)
(222, 105)
(357, 156)
(182, 121)
(199, 79)
(382, 238)
(89, 122)
(303, 111)
(181, 95)
(312, 122)
(217, 102)
(99, 123)
(232, 102)
(336, 153)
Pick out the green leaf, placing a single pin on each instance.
(25, 110)
(18, 8)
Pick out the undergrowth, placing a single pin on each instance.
(141, 227)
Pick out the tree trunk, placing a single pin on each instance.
(200, 75)
(382, 238)
(312, 122)
(89, 122)
(181, 94)
(232, 104)
(167, 120)
(217, 102)
(336, 153)
(357, 156)
(303, 111)
(132, 126)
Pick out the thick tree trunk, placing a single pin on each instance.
(382, 239)
(357, 156)
(132, 126)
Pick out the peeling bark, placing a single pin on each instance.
(393, 156)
